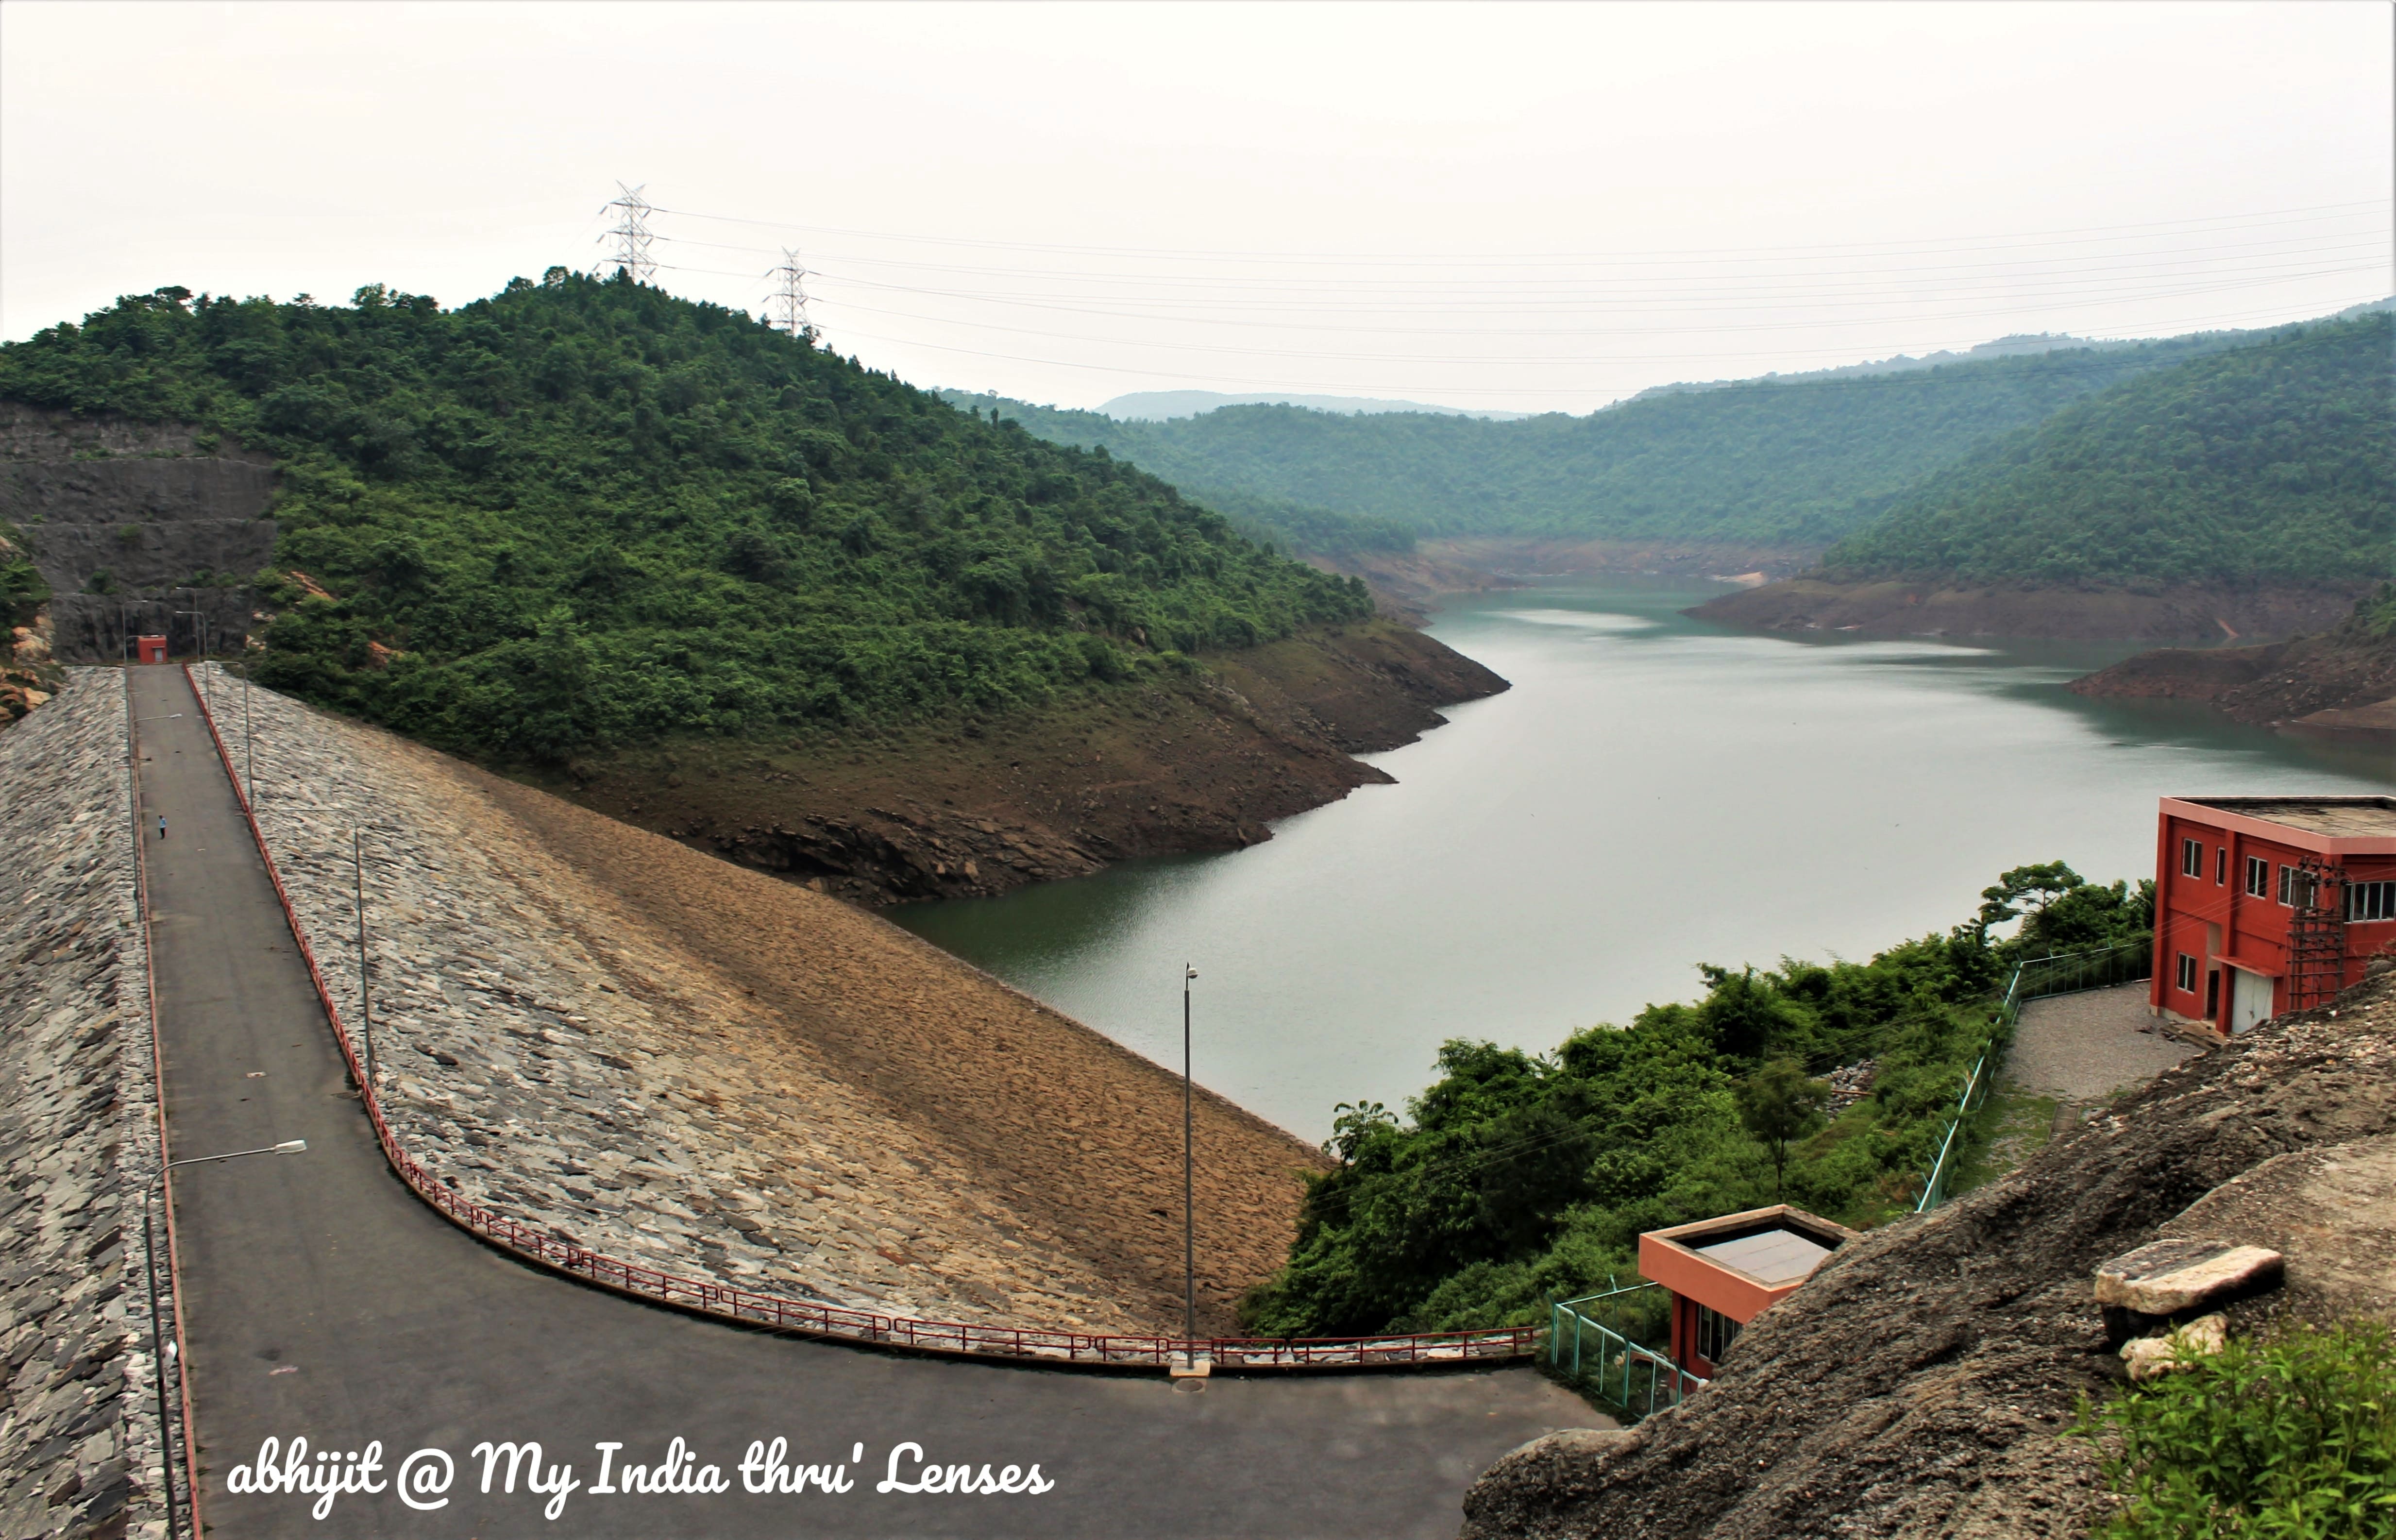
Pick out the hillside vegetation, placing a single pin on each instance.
(582, 513)
(1796, 463)
(2272, 462)
(1518, 1178)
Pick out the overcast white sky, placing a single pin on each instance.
(1536, 207)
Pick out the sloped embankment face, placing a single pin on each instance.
(662, 1056)
(79, 1450)
(1922, 1383)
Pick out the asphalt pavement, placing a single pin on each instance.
(324, 1302)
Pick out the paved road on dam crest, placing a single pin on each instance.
(323, 1301)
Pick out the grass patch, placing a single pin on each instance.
(2010, 1128)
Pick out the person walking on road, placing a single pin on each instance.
(162, 825)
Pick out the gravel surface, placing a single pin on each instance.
(78, 1130)
(2082, 1047)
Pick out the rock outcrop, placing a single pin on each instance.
(131, 522)
(79, 1438)
(1923, 1381)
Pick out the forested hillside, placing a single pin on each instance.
(583, 513)
(1795, 463)
(2274, 462)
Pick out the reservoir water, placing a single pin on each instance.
(1652, 794)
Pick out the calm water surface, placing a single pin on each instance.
(1652, 794)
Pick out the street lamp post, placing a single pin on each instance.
(366, 998)
(1188, 1212)
(249, 760)
(157, 1332)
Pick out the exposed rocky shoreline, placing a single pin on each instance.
(2341, 682)
(78, 1130)
(1935, 608)
(660, 1056)
(971, 808)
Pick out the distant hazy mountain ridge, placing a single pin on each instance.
(1162, 405)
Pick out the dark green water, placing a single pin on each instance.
(1651, 794)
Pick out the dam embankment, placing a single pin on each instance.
(78, 1128)
(661, 1056)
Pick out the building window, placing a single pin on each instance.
(2258, 877)
(2370, 900)
(2187, 974)
(2221, 866)
(2191, 858)
(1716, 1331)
(2296, 887)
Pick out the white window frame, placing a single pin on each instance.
(2258, 877)
(2369, 903)
(2191, 858)
(1714, 1330)
(2186, 979)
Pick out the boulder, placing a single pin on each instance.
(2166, 1278)
(2150, 1358)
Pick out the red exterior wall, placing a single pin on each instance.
(2211, 917)
(150, 649)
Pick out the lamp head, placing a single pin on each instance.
(292, 1146)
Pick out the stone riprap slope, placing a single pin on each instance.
(79, 1445)
(1923, 1382)
(568, 1047)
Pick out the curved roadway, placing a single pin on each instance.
(323, 1301)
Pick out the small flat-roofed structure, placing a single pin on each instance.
(2268, 904)
(1723, 1273)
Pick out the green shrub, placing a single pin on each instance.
(2291, 1436)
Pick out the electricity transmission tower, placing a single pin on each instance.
(632, 237)
(788, 304)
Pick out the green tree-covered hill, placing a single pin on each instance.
(1799, 462)
(584, 514)
(2274, 462)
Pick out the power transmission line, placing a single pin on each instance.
(632, 237)
(788, 305)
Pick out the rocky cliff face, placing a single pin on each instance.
(1922, 1383)
(130, 522)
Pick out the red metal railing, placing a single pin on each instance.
(1021, 1345)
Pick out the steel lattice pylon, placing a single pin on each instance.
(2317, 935)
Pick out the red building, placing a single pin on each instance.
(2268, 904)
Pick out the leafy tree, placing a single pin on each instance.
(1778, 1104)
(1516, 1178)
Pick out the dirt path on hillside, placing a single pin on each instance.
(1080, 1135)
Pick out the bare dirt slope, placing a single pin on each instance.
(1922, 1383)
(967, 808)
(1081, 1135)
